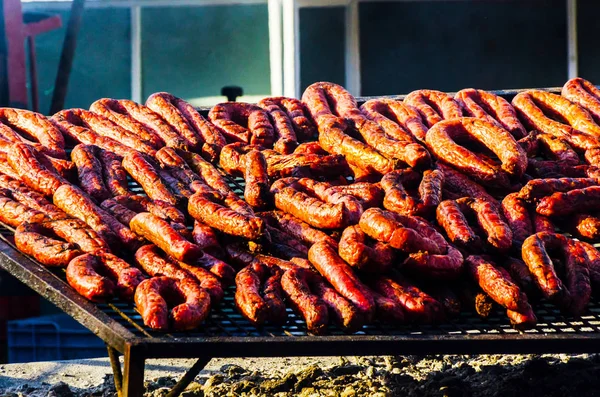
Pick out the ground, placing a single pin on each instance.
(484, 375)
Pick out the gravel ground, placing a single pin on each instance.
(484, 375)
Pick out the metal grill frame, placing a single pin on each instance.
(137, 344)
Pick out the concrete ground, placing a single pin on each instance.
(447, 376)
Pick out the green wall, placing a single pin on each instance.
(102, 63)
(194, 51)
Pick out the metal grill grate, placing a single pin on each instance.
(225, 320)
(226, 333)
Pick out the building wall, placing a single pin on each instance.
(195, 51)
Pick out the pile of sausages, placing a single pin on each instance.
(393, 211)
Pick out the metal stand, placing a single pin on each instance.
(130, 381)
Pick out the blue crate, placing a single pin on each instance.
(50, 338)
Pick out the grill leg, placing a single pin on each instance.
(133, 374)
(113, 355)
(188, 377)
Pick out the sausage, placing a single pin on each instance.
(273, 296)
(441, 141)
(446, 262)
(76, 231)
(6, 169)
(388, 310)
(119, 211)
(593, 263)
(149, 258)
(161, 233)
(342, 278)
(294, 283)
(28, 197)
(542, 223)
(577, 276)
(540, 110)
(518, 218)
(208, 210)
(373, 127)
(147, 176)
(179, 188)
(93, 129)
(115, 111)
(447, 298)
(577, 200)
(487, 106)
(397, 198)
(207, 171)
(37, 126)
(534, 107)
(369, 194)
(585, 94)
(256, 192)
(165, 105)
(494, 282)
(31, 239)
(295, 112)
(12, 212)
(450, 217)
(434, 106)
(382, 226)
(407, 151)
(296, 228)
(83, 274)
(140, 117)
(89, 172)
(353, 249)
(309, 209)
(398, 120)
(520, 274)
(258, 294)
(255, 127)
(138, 203)
(535, 255)
(97, 277)
(286, 243)
(310, 148)
(113, 173)
(285, 135)
(344, 313)
(305, 164)
(530, 144)
(352, 207)
(499, 234)
(207, 280)
(180, 114)
(418, 306)
(558, 149)
(523, 320)
(435, 266)
(170, 160)
(586, 226)
(462, 186)
(64, 168)
(151, 298)
(539, 188)
(75, 203)
(248, 299)
(23, 161)
(332, 136)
